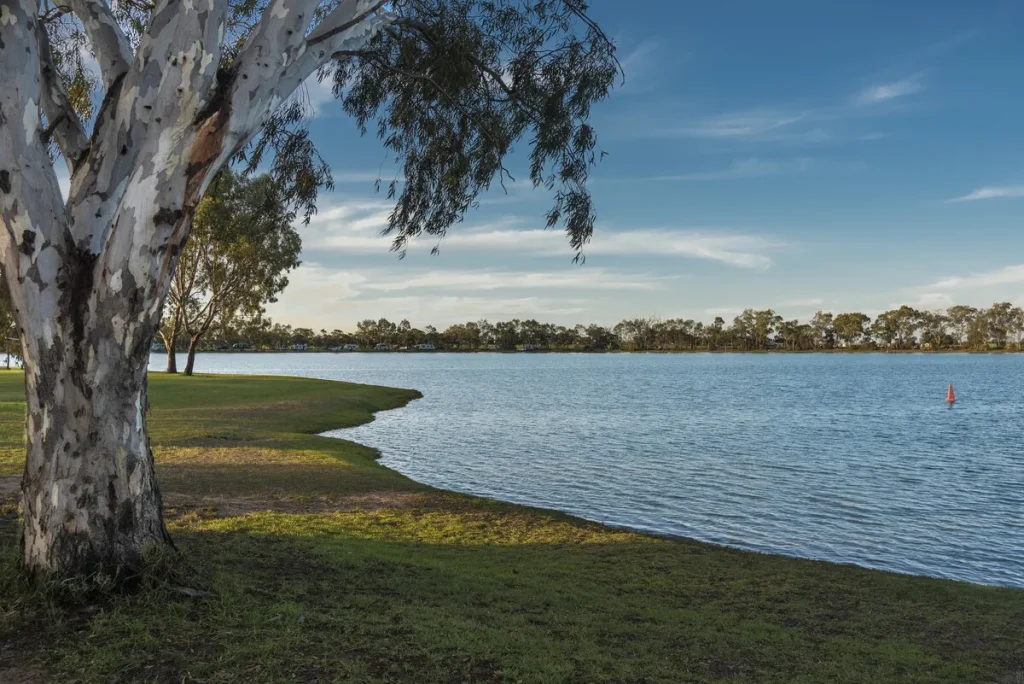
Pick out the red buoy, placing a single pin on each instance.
(950, 396)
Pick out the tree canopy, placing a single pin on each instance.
(243, 245)
(448, 86)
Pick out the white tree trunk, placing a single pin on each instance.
(88, 278)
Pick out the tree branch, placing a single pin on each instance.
(64, 124)
(345, 16)
(32, 219)
(279, 57)
(109, 43)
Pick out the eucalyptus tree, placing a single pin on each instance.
(961, 319)
(185, 88)
(823, 324)
(851, 328)
(241, 248)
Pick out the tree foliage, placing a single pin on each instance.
(452, 84)
(242, 247)
(449, 86)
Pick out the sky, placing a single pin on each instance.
(798, 155)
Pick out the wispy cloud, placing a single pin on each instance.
(1008, 275)
(811, 301)
(742, 251)
(991, 193)
(884, 92)
(488, 280)
(754, 123)
(751, 167)
(927, 301)
(640, 59)
(804, 122)
(320, 296)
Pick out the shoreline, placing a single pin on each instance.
(339, 568)
(651, 532)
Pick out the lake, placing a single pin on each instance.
(849, 458)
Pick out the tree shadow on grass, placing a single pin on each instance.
(400, 596)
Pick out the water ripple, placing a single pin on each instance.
(848, 458)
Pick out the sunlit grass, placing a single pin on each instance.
(328, 567)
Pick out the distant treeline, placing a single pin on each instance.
(999, 327)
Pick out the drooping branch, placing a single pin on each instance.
(109, 43)
(64, 125)
(345, 16)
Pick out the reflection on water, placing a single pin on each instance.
(841, 457)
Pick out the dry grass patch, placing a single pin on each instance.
(244, 454)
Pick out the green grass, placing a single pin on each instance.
(329, 567)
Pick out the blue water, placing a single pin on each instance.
(856, 459)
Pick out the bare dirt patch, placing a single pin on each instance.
(10, 484)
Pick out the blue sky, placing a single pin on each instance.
(796, 155)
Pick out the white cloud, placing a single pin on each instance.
(318, 296)
(812, 301)
(1008, 275)
(754, 123)
(570, 278)
(744, 251)
(358, 215)
(354, 227)
(317, 95)
(927, 301)
(889, 91)
(992, 193)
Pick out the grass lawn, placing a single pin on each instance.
(329, 567)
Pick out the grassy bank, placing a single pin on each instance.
(329, 567)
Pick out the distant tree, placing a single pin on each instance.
(824, 332)
(934, 326)
(978, 335)
(961, 319)
(1002, 320)
(765, 324)
(600, 337)
(302, 336)
(898, 327)
(636, 334)
(715, 332)
(242, 246)
(851, 328)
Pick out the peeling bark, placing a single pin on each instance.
(190, 362)
(89, 278)
(170, 338)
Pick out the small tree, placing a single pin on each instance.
(242, 246)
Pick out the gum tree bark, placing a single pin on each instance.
(190, 357)
(170, 338)
(89, 276)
